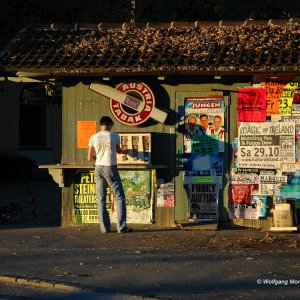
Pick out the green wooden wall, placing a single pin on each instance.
(80, 103)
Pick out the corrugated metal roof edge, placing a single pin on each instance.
(174, 24)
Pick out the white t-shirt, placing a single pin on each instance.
(104, 143)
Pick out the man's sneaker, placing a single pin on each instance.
(125, 230)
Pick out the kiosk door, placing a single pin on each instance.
(202, 152)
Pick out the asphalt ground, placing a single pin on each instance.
(41, 260)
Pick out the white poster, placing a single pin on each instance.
(266, 145)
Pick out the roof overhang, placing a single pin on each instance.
(52, 73)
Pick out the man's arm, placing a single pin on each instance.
(91, 154)
(120, 150)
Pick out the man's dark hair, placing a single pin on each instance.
(106, 120)
(203, 115)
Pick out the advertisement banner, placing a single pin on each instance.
(266, 145)
(251, 105)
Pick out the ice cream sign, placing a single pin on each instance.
(132, 103)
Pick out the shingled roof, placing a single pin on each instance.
(176, 48)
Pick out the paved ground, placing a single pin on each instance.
(41, 260)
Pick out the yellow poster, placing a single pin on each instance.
(280, 97)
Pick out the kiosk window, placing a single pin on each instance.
(32, 120)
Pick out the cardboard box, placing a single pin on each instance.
(283, 215)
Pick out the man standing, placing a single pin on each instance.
(103, 147)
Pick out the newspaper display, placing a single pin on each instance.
(137, 187)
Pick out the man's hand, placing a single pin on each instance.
(124, 151)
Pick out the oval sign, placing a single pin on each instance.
(140, 108)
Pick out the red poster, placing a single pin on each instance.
(242, 193)
(251, 105)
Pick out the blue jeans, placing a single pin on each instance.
(104, 177)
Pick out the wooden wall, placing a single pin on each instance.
(80, 103)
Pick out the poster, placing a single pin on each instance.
(251, 105)
(85, 199)
(203, 165)
(242, 187)
(266, 145)
(204, 125)
(296, 102)
(165, 193)
(268, 183)
(137, 188)
(85, 129)
(240, 201)
(138, 146)
(203, 201)
(259, 202)
(280, 97)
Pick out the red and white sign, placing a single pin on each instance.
(142, 108)
(135, 95)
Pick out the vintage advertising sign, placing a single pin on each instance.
(251, 105)
(137, 187)
(280, 96)
(132, 103)
(266, 145)
(203, 201)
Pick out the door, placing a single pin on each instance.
(182, 207)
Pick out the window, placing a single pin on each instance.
(32, 117)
